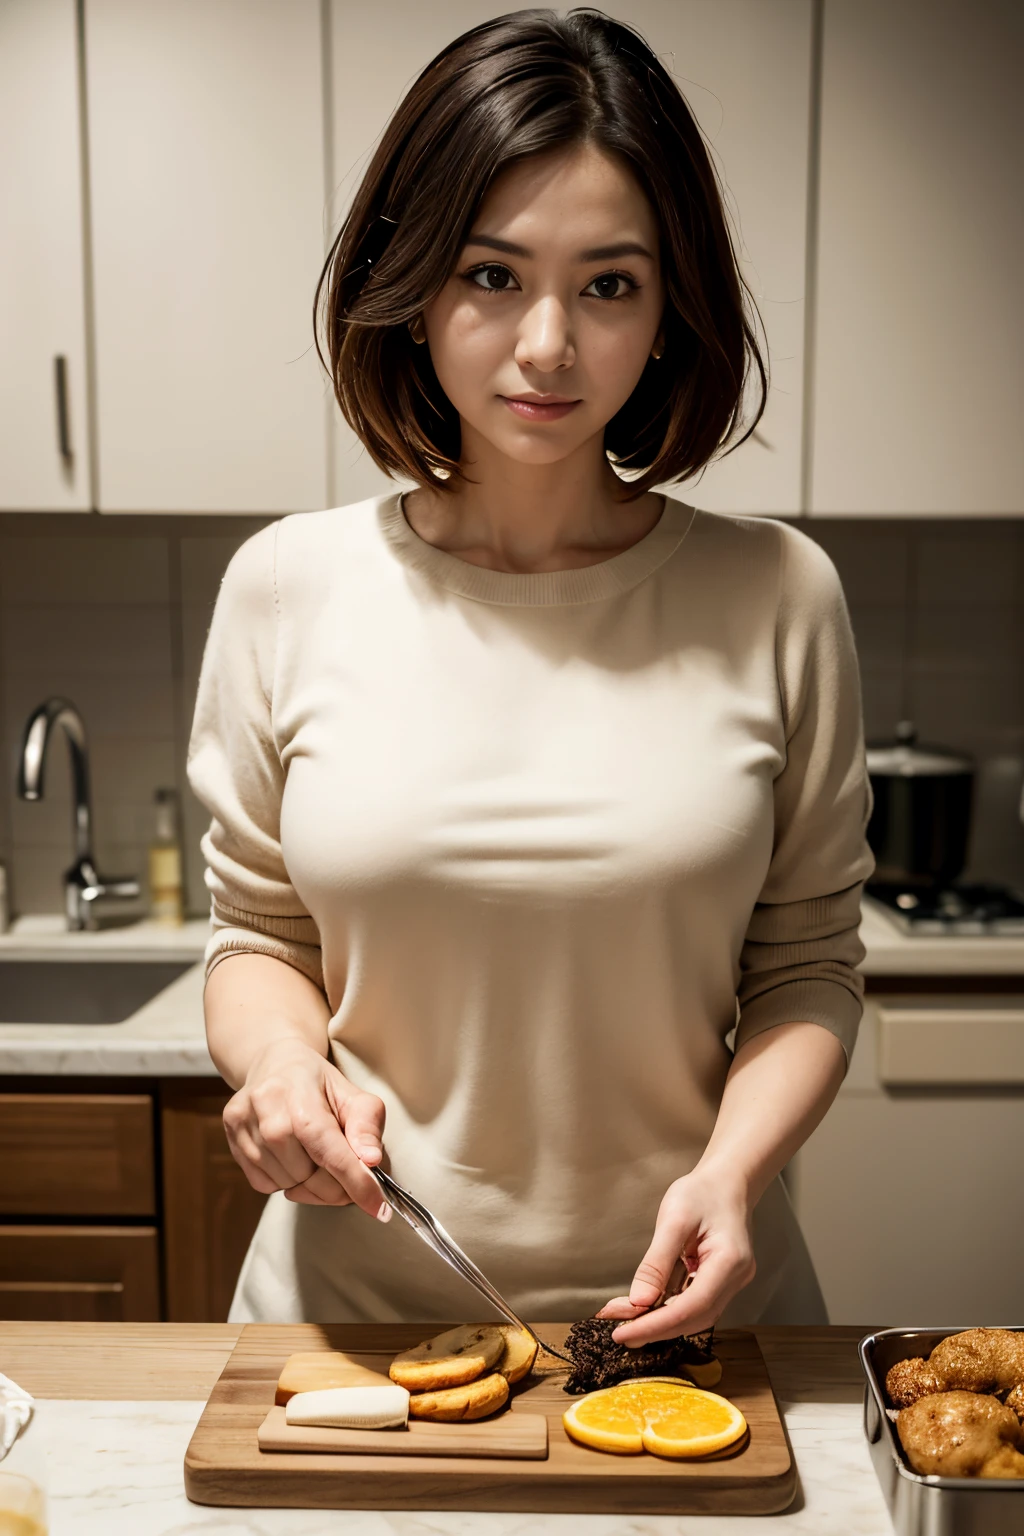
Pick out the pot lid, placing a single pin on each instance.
(903, 758)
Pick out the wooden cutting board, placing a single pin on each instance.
(224, 1464)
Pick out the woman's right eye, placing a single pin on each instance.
(492, 279)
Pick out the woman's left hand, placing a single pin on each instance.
(705, 1218)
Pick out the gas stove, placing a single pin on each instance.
(986, 910)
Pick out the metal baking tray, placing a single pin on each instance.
(929, 1506)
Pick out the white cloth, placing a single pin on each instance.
(16, 1409)
(535, 836)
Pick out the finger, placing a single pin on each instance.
(261, 1168)
(326, 1188)
(322, 1137)
(620, 1307)
(260, 1181)
(362, 1117)
(260, 1125)
(718, 1278)
(300, 1195)
(671, 1235)
(282, 1152)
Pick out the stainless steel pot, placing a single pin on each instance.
(922, 812)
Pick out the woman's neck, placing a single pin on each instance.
(526, 518)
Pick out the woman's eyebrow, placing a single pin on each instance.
(598, 253)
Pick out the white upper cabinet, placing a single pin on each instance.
(206, 164)
(745, 68)
(44, 427)
(921, 237)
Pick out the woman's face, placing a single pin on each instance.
(544, 328)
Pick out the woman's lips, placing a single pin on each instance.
(535, 410)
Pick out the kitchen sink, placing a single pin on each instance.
(81, 991)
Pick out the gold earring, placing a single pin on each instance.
(416, 330)
(658, 350)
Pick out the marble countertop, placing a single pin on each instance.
(117, 1471)
(166, 1038)
(115, 1466)
(45, 936)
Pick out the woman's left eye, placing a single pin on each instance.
(608, 286)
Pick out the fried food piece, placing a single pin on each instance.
(910, 1379)
(980, 1360)
(475, 1400)
(1015, 1400)
(599, 1362)
(961, 1434)
(519, 1354)
(977, 1360)
(451, 1359)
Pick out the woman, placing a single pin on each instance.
(529, 787)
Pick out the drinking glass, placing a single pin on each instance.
(22, 1505)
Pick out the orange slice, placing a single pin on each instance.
(662, 1414)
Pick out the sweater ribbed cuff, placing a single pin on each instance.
(225, 941)
(299, 929)
(810, 1000)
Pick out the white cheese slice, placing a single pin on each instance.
(384, 1407)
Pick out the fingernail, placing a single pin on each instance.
(384, 1214)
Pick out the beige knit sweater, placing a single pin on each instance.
(536, 836)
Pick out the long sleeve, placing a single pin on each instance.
(802, 947)
(234, 768)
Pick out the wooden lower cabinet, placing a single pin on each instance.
(119, 1201)
(80, 1274)
(210, 1209)
(77, 1154)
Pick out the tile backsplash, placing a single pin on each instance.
(112, 612)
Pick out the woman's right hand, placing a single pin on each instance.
(297, 1124)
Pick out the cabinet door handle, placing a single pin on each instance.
(60, 373)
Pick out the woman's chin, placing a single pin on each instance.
(538, 445)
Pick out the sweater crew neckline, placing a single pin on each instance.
(536, 589)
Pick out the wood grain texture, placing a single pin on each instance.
(80, 1274)
(119, 1362)
(223, 1464)
(64, 1154)
(815, 1365)
(511, 1436)
(139, 1361)
(210, 1209)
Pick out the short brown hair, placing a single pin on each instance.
(526, 84)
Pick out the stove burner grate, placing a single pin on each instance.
(990, 911)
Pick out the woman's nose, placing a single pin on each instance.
(545, 337)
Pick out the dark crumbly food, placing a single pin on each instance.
(597, 1361)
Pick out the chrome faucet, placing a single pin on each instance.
(83, 887)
